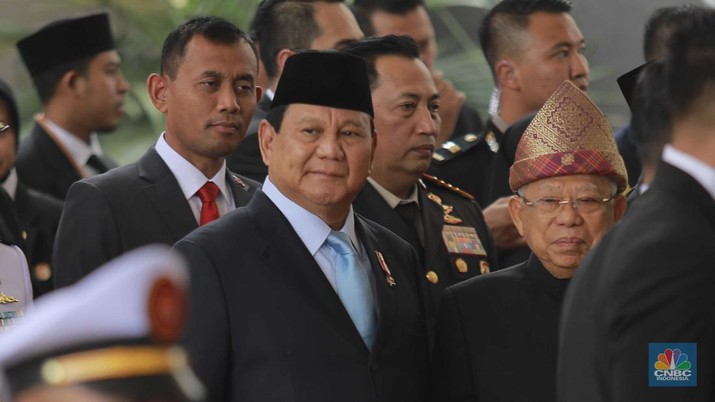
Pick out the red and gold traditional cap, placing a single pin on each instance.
(568, 136)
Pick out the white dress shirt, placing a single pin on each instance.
(10, 183)
(191, 180)
(78, 150)
(699, 170)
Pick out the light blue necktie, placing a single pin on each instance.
(353, 286)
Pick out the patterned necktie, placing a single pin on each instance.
(353, 287)
(95, 163)
(209, 210)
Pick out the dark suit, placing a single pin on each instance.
(650, 280)
(434, 255)
(266, 325)
(123, 209)
(39, 216)
(10, 230)
(497, 337)
(468, 121)
(467, 165)
(42, 165)
(246, 160)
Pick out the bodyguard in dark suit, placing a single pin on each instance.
(207, 92)
(280, 312)
(280, 28)
(75, 69)
(633, 325)
(569, 180)
(33, 215)
(442, 223)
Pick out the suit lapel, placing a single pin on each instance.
(386, 297)
(55, 156)
(288, 258)
(370, 204)
(241, 190)
(164, 192)
(432, 217)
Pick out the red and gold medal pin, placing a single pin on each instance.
(388, 275)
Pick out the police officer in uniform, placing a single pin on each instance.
(441, 222)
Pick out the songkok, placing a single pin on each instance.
(325, 78)
(568, 136)
(627, 83)
(65, 41)
(114, 332)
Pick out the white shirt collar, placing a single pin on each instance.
(78, 150)
(10, 183)
(190, 178)
(312, 230)
(391, 199)
(699, 170)
(270, 94)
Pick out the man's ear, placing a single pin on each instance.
(157, 86)
(266, 135)
(507, 74)
(281, 58)
(71, 82)
(619, 207)
(259, 93)
(372, 151)
(515, 209)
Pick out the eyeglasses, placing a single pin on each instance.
(551, 206)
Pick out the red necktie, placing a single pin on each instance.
(209, 210)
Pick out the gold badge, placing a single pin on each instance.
(461, 265)
(462, 240)
(432, 277)
(5, 299)
(484, 267)
(451, 147)
(492, 142)
(471, 137)
(446, 209)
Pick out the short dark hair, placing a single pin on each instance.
(363, 10)
(369, 49)
(214, 29)
(508, 17)
(660, 27)
(284, 24)
(46, 82)
(690, 63)
(650, 121)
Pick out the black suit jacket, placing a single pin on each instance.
(246, 160)
(497, 337)
(39, 216)
(123, 209)
(42, 165)
(266, 325)
(10, 230)
(650, 280)
(434, 255)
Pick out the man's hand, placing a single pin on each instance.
(500, 224)
(451, 101)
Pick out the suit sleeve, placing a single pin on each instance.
(87, 236)
(207, 334)
(451, 369)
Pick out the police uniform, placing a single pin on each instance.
(15, 288)
(456, 243)
(109, 336)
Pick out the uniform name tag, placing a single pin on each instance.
(462, 240)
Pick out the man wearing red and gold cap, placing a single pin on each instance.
(500, 329)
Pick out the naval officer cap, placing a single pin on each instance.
(65, 41)
(325, 78)
(114, 333)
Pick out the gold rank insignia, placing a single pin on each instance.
(446, 209)
(492, 142)
(5, 299)
(451, 147)
(462, 240)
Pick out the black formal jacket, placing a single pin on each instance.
(10, 230)
(266, 325)
(41, 164)
(246, 160)
(497, 337)
(650, 280)
(435, 256)
(39, 216)
(125, 208)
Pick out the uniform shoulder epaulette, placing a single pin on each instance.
(444, 184)
(450, 149)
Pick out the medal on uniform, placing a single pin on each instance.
(462, 240)
(385, 270)
(5, 299)
(446, 209)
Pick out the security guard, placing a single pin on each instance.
(442, 222)
(109, 337)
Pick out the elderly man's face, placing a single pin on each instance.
(560, 239)
(321, 157)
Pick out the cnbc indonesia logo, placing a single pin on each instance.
(674, 364)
